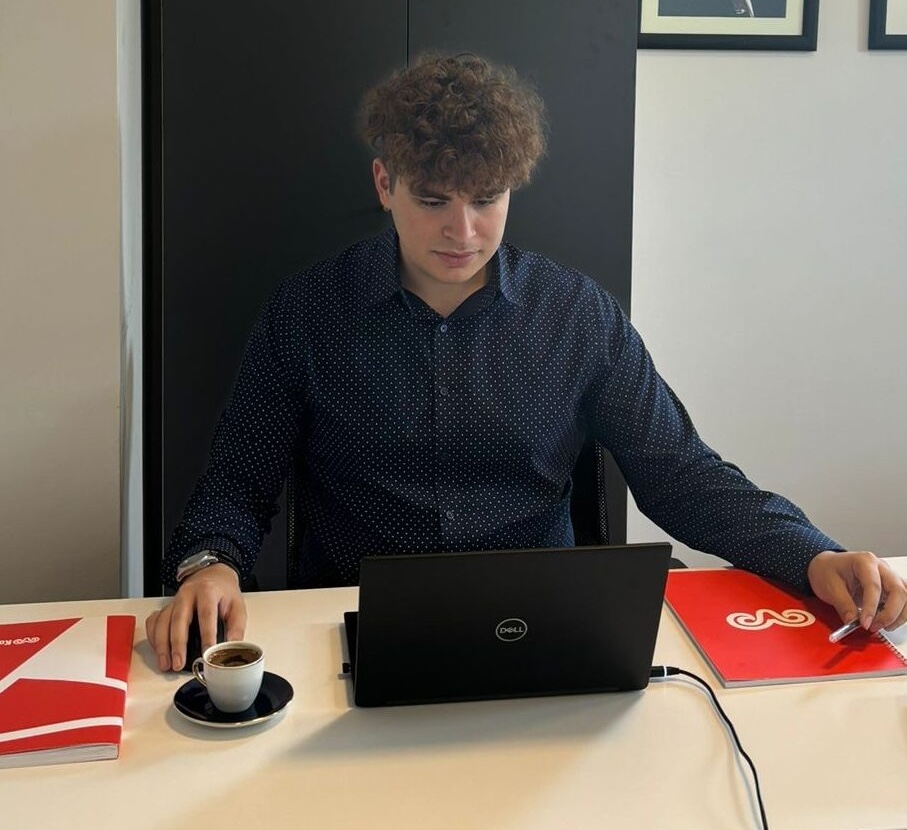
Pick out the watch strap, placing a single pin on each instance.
(202, 559)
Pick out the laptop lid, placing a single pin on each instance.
(495, 624)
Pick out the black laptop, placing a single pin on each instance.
(435, 628)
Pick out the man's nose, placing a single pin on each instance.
(461, 222)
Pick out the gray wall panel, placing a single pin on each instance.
(258, 172)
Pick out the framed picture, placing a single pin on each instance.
(888, 24)
(730, 24)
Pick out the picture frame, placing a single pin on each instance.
(776, 25)
(888, 24)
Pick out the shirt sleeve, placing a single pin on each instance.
(682, 484)
(234, 501)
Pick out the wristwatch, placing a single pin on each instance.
(199, 561)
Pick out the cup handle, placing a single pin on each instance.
(197, 665)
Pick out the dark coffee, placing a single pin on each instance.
(231, 657)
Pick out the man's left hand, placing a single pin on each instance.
(858, 582)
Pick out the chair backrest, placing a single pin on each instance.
(295, 525)
(588, 498)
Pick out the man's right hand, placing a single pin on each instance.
(211, 593)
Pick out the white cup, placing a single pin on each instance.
(232, 672)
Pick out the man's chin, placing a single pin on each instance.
(465, 278)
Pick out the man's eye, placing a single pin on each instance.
(486, 201)
(431, 203)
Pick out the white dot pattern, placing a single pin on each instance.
(421, 433)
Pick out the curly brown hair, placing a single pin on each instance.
(458, 123)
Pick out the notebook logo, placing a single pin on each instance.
(511, 629)
(765, 618)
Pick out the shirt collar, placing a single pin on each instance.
(382, 281)
(502, 275)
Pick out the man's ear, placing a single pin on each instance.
(382, 179)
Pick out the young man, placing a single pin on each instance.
(437, 385)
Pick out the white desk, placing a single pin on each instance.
(830, 755)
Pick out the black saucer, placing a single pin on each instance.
(192, 702)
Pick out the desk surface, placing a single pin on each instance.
(830, 755)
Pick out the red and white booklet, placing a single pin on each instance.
(753, 631)
(63, 689)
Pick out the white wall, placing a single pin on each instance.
(770, 266)
(59, 301)
(129, 96)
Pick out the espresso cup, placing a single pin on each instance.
(232, 673)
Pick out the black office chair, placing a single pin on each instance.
(588, 508)
(295, 526)
(589, 499)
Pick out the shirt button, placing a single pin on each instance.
(443, 328)
(449, 514)
(442, 391)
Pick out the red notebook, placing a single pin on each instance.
(63, 689)
(752, 631)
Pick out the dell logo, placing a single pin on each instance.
(511, 629)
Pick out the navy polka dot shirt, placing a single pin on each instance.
(422, 433)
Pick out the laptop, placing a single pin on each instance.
(435, 628)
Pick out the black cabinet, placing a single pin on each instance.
(581, 56)
(253, 169)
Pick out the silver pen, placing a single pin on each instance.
(840, 633)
